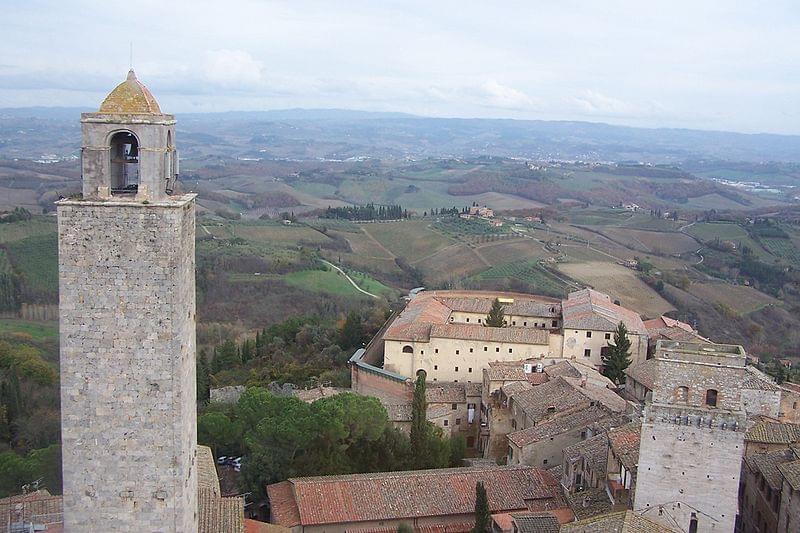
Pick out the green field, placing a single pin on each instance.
(540, 280)
(35, 259)
(15, 231)
(459, 228)
(328, 281)
(38, 331)
(411, 239)
(708, 231)
(783, 248)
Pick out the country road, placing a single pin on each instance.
(353, 283)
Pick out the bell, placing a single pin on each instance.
(133, 153)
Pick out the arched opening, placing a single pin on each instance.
(693, 523)
(124, 162)
(682, 394)
(711, 397)
(408, 349)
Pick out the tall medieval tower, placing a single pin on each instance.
(127, 326)
(692, 439)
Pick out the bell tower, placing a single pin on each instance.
(127, 326)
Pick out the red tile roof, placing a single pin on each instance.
(589, 309)
(410, 494)
(482, 333)
(624, 442)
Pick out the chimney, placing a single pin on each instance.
(583, 381)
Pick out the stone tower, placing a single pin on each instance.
(693, 438)
(127, 326)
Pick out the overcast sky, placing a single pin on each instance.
(731, 65)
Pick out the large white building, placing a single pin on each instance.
(443, 332)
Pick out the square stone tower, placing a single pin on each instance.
(692, 440)
(127, 326)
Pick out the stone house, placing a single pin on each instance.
(584, 464)
(623, 463)
(760, 490)
(766, 436)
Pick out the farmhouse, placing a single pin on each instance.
(443, 332)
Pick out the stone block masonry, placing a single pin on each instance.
(128, 398)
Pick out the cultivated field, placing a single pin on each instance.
(411, 239)
(741, 299)
(620, 283)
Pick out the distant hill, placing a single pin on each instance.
(340, 133)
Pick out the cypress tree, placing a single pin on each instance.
(483, 518)
(618, 355)
(419, 420)
(496, 315)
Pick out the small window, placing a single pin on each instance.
(436, 350)
(469, 369)
(711, 397)
(453, 406)
(513, 322)
(408, 349)
(479, 321)
(794, 405)
(458, 421)
(445, 423)
(485, 348)
(588, 334)
(587, 352)
(456, 369)
(551, 409)
(467, 319)
(511, 350)
(470, 350)
(608, 336)
(524, 323)
(422, 352)
(682, 394)
(555, 323)
(434, 379)
(497, 349)
(436, 367)
(544, 461)
(456, 352)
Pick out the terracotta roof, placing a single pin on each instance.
(458, 527)
(619, 522)
(535, 522)
(445, 392)
(767, 465)
(773, 433)
(219, 515)
(434, 308)
(589, 309)
(624, 442)
(548, 398)
(515, 387)
(130, 98)
(791, 473)
(207, 477)
(282, 504)
(589, 502)
(506, 371)
(755, 379)
(39, 506)
(473, 389)
(600, 394)
(411, 494)
(593, 451)
(482, 333)
(557, 425)
(644, 373)
(254, 526)
(668, 328)
(524, 304)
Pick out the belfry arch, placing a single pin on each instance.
(124, 153)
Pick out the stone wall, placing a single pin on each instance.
(128, 398)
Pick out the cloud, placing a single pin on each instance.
(598, 104)
(503, 96)
(232, 69)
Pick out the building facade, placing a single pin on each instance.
(127, 326)
(696, 410)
